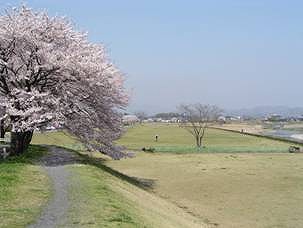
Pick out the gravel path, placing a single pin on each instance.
(54, 164)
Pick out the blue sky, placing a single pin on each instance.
(235, 54)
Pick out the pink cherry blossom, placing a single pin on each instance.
(51, 74)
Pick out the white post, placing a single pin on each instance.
(5, 153)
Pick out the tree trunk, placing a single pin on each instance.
(20, 142)
(2, 129)
(198, 142)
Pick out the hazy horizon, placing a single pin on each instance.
(254, 111)
(235, 54)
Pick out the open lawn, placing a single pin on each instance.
(187, 189)
(223, 189)
(24, 189)
(177, 140)
(232, 190)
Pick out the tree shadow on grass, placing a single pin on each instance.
(59, 156)
(146, 184)
(41, 154)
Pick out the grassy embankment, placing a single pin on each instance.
(103, 197)
(24, 189)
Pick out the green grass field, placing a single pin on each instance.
(259, 186)
(58, 138)
(95, 204)
(222, 189)
(101, 197)
(24, 189)
(177, 140)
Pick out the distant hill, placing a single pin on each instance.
(261, 111)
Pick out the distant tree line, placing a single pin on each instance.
(167, 115)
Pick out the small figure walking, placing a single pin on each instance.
(156, 138)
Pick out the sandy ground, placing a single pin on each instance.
(249, 128)
(297, 136)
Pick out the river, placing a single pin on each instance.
(287, 134)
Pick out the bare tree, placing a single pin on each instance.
(196, 118)
(141, 115)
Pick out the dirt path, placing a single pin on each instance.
(54, 164)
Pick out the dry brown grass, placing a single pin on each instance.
(243, 190)
(220, 189)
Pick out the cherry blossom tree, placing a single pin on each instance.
(2, 126)
(51, 74)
